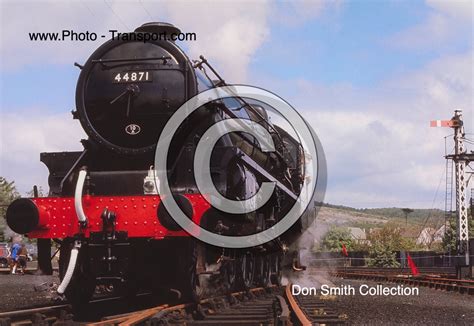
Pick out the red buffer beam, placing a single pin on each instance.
(55, 217)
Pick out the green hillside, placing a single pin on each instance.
(427, 217)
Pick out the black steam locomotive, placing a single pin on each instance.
(103, 206)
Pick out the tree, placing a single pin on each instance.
(450, 236)
(8, 193)
(384, 243)
(334, 239)
(407, 211)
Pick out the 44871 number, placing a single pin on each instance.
(132, 77)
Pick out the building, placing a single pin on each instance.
(358, 235)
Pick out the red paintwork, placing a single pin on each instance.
(135, 214)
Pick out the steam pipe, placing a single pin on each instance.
(298, 269)
(78, 197)
(70, 268)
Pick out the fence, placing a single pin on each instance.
(360, 259)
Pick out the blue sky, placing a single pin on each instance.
(352, 44)
(368, 76)
(345, 43)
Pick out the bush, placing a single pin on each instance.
(334, 239)
(381, 256)
(449, 243)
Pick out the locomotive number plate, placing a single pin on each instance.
(133, 77)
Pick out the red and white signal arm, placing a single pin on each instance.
(442, 123)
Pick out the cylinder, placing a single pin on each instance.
(165, 218)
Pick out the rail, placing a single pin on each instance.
(300, 315)
(272, 305)
(463, 286)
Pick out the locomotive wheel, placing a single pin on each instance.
(229, 269)
(189, 284)
(275, 269)
(262, 270)
(82, 285)
(247, 270)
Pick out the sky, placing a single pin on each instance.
(367, 75)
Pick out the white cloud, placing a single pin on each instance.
(295, 13)
(444, 84)
(457, 9)
(446, 22)
(228, 33)
(21, 18)
(27, 133)
(434, 30)
(379, 147)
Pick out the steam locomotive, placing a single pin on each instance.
(103, 207)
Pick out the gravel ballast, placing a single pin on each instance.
(18, 291)
(430, 307)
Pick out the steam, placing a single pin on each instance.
(312, 276)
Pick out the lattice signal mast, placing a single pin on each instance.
(461, 159)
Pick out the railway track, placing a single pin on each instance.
(37, 316)
(258, 306)
(439, 282)
(449, 272)
(64, 313)
(310, 310)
